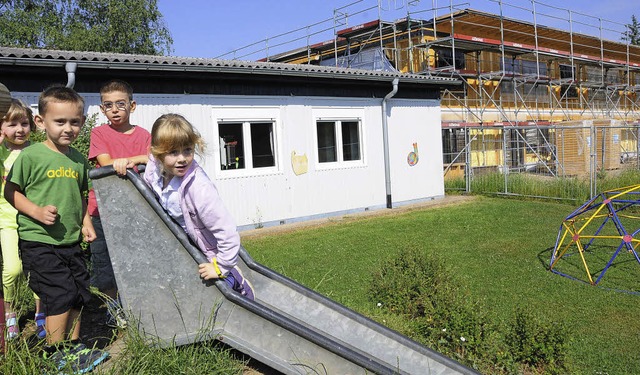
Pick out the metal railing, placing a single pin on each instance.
(557, 161)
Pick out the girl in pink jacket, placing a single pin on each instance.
(190, 197)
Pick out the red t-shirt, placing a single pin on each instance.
(106, 140)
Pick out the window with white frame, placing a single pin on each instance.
(247, 144)
(338, 141)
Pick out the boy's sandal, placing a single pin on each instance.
(12, 326)
(41, 320)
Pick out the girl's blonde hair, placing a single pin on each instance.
(173, 132)
(17, 111)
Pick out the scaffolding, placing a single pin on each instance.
(536, 78)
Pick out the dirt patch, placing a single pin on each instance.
(292, 227)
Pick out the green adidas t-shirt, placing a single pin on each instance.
(47, 177)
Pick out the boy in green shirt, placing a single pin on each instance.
(47, 185)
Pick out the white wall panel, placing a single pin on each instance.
(410, 122)
(273, 195)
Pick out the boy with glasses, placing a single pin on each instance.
(122, 145)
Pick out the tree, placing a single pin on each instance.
(27, 23)
(120, 26)
(632, 35)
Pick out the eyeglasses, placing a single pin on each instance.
(120, 104)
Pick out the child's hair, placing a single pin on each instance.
(17, 111)
(117, 85)
(58, 93)
(173, 132)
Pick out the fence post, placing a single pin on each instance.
(592, 160)
(505, 165)
(637, 147)
(467, 159)
(603, 149)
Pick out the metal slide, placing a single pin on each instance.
(288, 327)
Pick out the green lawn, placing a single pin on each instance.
(497, 248)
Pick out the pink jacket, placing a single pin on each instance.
(209, 224)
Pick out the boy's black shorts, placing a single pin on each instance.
(57, 274)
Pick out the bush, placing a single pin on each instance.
(412, 284)
(538, 344)
(444, 317)
(418, 285)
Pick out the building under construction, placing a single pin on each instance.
(533, 98)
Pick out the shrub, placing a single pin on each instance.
(444, 317)
(537, 343)
(412, 284)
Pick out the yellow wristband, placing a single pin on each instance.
(215, 266)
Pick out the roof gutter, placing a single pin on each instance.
(71, 67)
(223, 68)
(385, 140)
(5, 100)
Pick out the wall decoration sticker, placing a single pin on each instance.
(299, 163)
(412, 158)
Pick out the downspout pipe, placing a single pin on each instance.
(71, 67)
(385, 140)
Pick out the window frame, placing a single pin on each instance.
(249, 169)
(339, 142)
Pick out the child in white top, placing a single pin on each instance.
(191, 198)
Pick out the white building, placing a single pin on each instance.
(285, 142)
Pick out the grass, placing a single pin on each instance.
(569, 189)
(498, 248)
(208, 357)
(139, 355)
(137, 358)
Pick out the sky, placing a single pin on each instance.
(221, 28)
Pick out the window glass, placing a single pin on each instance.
(568, 92)
(350, 141)
(511, 66)
(445, 58)
(531, 67)
(262, 145)
(326, 142)
(231, 146)
(567, 71)
(247, 145)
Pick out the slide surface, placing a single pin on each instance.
(288, 326)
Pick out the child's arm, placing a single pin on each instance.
(46, 215)
(120, 165)
(88, 232)
(218, 222)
